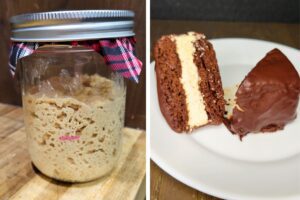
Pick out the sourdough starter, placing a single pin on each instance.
(75, 136)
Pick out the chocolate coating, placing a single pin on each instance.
(267, 99)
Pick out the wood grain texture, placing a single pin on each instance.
(136, 97)
(163, 186)
(20, 180)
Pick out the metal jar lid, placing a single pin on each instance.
(72, 25)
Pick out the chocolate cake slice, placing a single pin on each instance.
(188, 81)
(267, 98)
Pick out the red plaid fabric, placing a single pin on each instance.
(118, 53)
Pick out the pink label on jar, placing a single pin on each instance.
(69, 137)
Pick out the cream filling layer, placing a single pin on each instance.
(190, 79)
(229, 96)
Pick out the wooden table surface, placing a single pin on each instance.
(163, 186)
(20, 180)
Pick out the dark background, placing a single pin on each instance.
(227, 10)
(135, 105)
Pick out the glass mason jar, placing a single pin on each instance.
(73, 103)
(73, 111)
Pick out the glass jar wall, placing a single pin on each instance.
(74, 112)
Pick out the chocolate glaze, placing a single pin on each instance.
(267, 98)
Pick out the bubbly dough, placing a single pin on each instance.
(94, 113)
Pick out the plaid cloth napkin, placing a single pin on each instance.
(118, 53)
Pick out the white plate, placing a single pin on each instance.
(212, 160)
